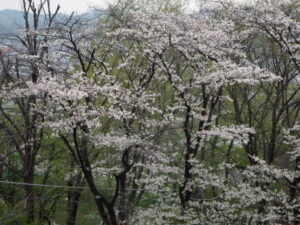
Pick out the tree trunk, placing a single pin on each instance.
(29, 201)
(122, 208)
(73, 198)
(29, 179)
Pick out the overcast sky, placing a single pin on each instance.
(67, 6)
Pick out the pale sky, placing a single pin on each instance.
(67, 6)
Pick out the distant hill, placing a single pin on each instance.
(12, 20)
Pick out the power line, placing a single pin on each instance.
(129, 189)
(77, 187)
(41, 185)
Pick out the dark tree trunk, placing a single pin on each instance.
(28, 176)
(29, 201)
(122, 207)
(73, 198)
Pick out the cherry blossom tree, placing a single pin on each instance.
(270, 31)
(163, 51)
(193, 114)
(22, 64)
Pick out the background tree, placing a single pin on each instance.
(17, 120)
(166, 118)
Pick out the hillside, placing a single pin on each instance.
(12, 20)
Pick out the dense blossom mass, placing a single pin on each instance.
(164, 117)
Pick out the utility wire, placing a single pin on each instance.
(76, 187)
(129, 189)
